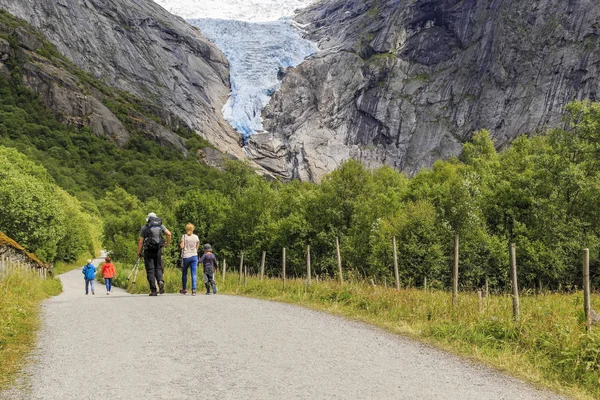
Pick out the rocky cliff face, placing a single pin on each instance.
(406, 82)
(74, 97)
(138, 47)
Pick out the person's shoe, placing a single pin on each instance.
(107, 293)
(153, 294)
(183, 291)
(86, 294)
(93, 292)
(193, 292)
(207, 293)
(161, 287)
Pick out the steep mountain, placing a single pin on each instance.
(406, 82)
(89, 136)
(74, 97)
(138, 47)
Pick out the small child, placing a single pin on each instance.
(89, 274)
(210, 264)
(109, 273)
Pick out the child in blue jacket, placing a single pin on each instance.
(89, 274)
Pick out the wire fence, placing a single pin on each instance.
(283, 267)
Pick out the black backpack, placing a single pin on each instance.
(154, 239)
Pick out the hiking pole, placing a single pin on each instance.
(136, 266)
(137, 269)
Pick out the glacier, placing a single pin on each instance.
(239, 10)
(257, 52)
(258, 40)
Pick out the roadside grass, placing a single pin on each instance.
(548, 347)
(21, 295)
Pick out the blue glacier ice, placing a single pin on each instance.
(256, 51)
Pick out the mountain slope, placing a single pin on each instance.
(91, 137)
(138, 47)
(406, 82)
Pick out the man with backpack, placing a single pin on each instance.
(151, 242)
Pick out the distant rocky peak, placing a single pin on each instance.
(406, 82)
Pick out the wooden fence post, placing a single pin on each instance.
(241, 266)
(262, 265)
(245, 275)
(480, 298)
(224, 268)
(455, 271)
(373, 282)
(425, 283)
(396, 273)
(587, 306)
(487, 287)
(515, 286)
(308, 271)
(339, 260)
(283, 267)
(2, 266)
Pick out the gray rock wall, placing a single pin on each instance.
(139, 47)
(407, 82)
(71, 100)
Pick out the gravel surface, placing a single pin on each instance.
(182, 347)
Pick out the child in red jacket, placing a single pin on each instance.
(109, 273)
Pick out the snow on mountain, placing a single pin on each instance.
(256, 53)
(241, 10)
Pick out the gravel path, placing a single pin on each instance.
(181, 347)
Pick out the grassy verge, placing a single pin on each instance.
(548, 346)
(20, 297)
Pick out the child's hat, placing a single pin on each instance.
(89, 261)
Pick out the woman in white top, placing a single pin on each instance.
(189, 249)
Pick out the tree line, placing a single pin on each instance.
(542, 193)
